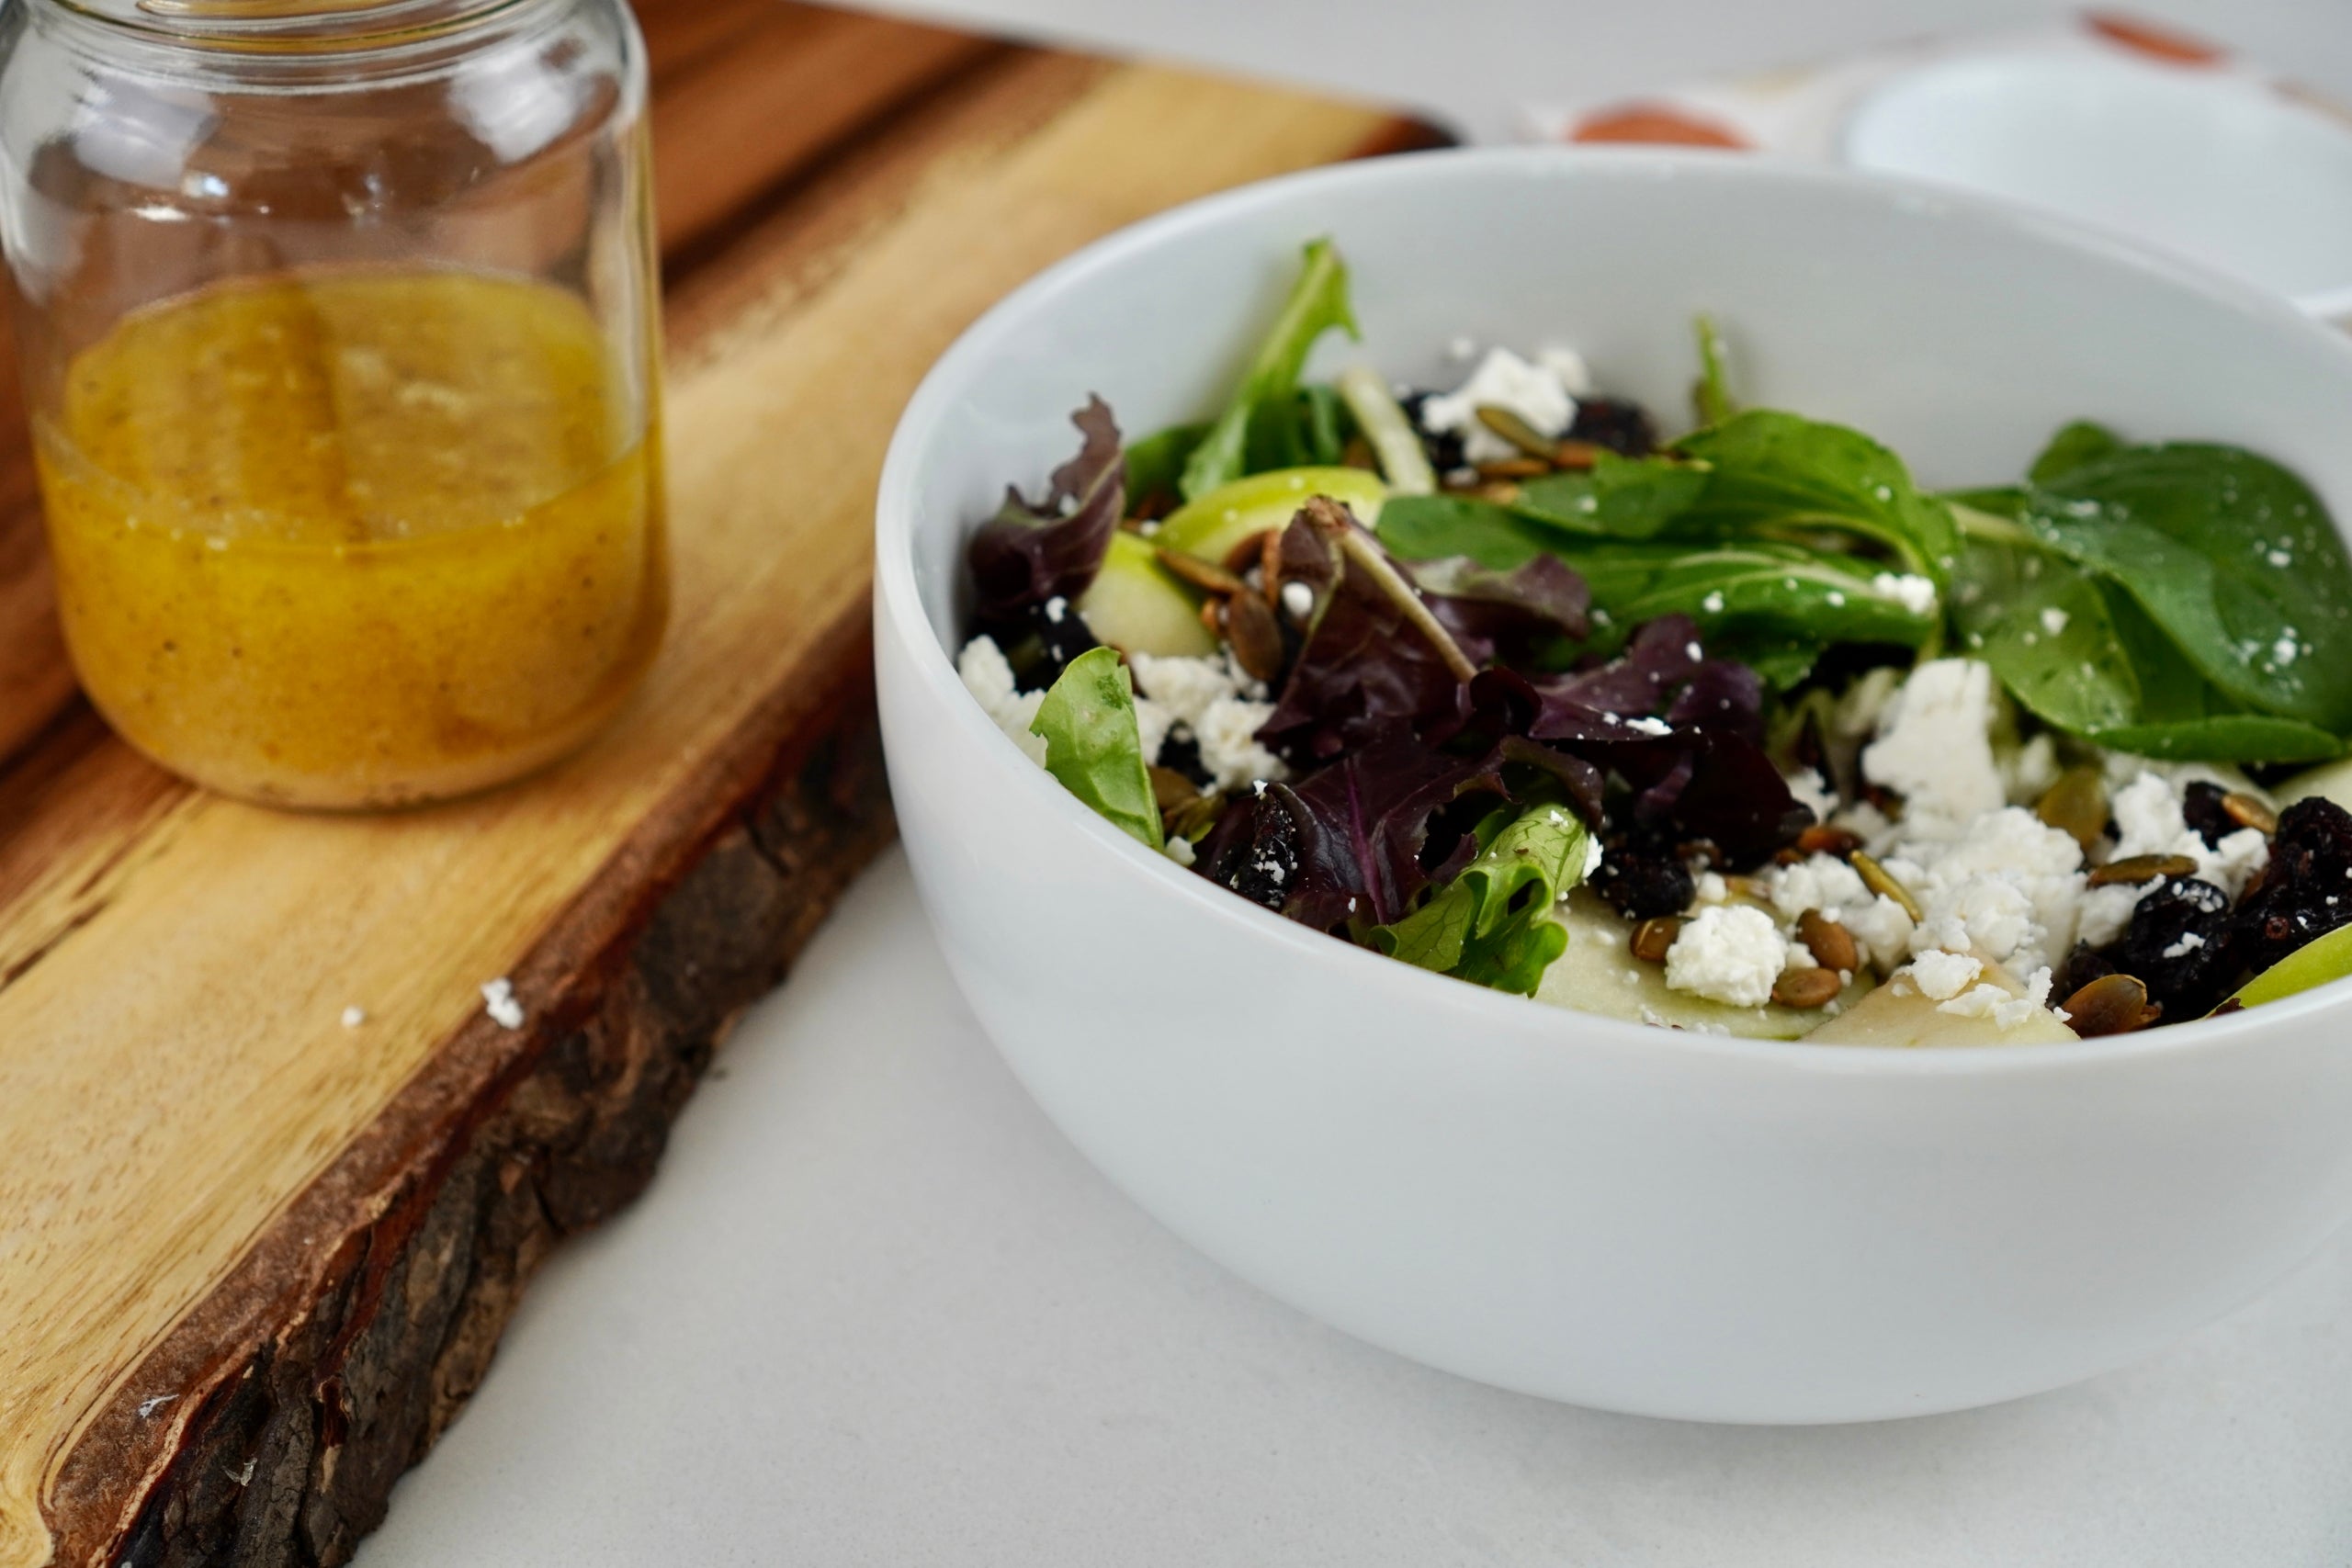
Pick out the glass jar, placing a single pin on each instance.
(338, 324)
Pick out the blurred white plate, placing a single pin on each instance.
(2212, 166)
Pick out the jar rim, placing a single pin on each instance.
(289, 26)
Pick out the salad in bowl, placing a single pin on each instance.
(1739, 730)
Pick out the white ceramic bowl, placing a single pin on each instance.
(1624, 1217)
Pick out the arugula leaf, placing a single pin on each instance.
(1094, 747)
(1266, 400)
(1623, 498)
(2230, 555)
(1777, 472)
(1156, 463)
(1493, 925)
(2077, 445)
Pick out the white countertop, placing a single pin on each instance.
(875, 1309)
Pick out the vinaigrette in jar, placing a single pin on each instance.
(358, 538)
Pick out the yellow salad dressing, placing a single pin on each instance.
(356, 538)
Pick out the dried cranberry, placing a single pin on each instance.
(2306, 892)
(2083, 966)
(2177, 945)
(1048, 635)
(1181, 752)
(1618, 424)
(1641, 876)
(2202, 805)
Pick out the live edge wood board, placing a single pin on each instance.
(252, 1262)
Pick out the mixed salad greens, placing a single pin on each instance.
(1741, 731)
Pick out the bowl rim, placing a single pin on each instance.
(899, 616)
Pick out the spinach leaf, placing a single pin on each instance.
(1623, 498)
(2079, 444)
(1493, 925)
(1156, 463)
(1776, 472)
(2230, 555)
(1266, 400)
(1760, 590)
(2082, 656)
(1432, 527)
(1094, 747)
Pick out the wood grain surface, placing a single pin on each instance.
(252, 1262)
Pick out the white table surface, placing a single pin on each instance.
(875, 1311)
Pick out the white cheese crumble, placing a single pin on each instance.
(1941, 975)
(1935, 748)
(498, 1000)
(989, 679)
(1569, 366)
(1731, 954)
(1812, 792)
(1299, 599)
(2054, 620)
(1179, 848)
(1536, 393)
(1222, 707)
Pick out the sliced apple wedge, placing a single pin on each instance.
(1899, 1014)
(1599, 975)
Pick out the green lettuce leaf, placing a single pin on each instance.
(1620, 498)
(1493, 925)
(1262, 425)
(1094, 747)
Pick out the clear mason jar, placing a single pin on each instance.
(338, 321)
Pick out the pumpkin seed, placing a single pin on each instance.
(2248, 812)
(1248, 552)
(1806, 987)
(2139, 869)
(1831, 944)
(1172, 789)
(1514, 469)
(1875, 877)
(1823, 840)
(1256, 636)
(2112, 1004)
(1202, 574)
(1518, 431)
(2076, 805)
(1576, 457)
(1653, 937)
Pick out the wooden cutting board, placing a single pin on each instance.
(253, 1261)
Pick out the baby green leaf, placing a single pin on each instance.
(1094, 747)
(1434, 527)
(1777, 472)
(1493, 925)
(2230, 555)
(1156, 463)
(2083, 656)
(1711, 395)
(2079, 444)
(1267, 397)
(1622, 497)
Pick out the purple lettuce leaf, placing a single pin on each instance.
(1029, 552)
(1368, 664)
(1355, 841)
(1514, 616)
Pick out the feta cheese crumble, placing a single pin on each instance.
(989, 679)
(1537, 393)
(1730, 954)
(1915, 593)
(1221, 705)
(1934, 747)
(2149, 822)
